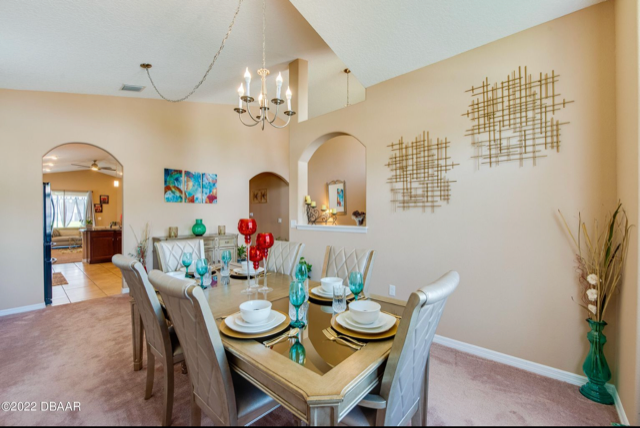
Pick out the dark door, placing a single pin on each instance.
(48, 231)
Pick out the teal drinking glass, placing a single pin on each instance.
(225, 258)
(297, 353)
(355, 283)
(301, 272)
(187, 259)
(297, 297)
(202, 266)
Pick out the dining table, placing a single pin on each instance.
(320, 380)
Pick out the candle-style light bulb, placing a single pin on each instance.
(247, 78)
(288, 93)
(278, 85)
(240, 94)
(260, 100)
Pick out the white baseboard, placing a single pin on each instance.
(529, 366)
(22, 309)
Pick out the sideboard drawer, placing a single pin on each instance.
(227, 242)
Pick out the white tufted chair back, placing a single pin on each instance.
(404, 375)
(153, 320)
(169, 253)
(340, 262)
(204, 352)
(284, 256)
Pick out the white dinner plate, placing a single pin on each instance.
(320, 292)
(389, 322)
(275, 318)
(243, 271)
(348, 319)
(242, 323)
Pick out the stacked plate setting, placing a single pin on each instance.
(243, 271)
(320, 292)
(255, 316)
(364, 316)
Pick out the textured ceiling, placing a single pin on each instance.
(95, 46)
(62, 158)
(380, 40)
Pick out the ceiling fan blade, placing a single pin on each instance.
(106, 168)
(80, 166)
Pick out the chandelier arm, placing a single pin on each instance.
(283, 126)
(275, 116)
(250, 115)
(255, 122)
(215, 57)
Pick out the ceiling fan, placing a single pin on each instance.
(94, 167)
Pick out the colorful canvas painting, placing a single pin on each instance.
(337, 196)
(193, 187)
(173, 190)
(210, 188)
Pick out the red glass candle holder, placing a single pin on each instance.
(264, 241)
(247, 227)
(255, 255)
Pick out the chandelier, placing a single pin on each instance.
(262, 115)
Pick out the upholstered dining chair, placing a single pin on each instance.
(284, 256)
(403, 393)
(162, 342)
(226, 397)
(339, 262)
(169, 253)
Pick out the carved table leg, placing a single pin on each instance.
(323, 416)
(137, 332)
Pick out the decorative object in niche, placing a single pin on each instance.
(259, 196)
(419, 173)
(359, 217)
(337, 196)
(515, 119)
(324, 215)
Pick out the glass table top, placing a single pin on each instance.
(311, 348)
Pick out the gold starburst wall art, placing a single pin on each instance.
(515, 119)
(419, 173)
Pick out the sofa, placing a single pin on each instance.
(66, 237)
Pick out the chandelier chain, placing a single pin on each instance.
(348, 89)
(264, 32)
(224, 40)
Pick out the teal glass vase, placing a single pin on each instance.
(199, 229)
(596, 367)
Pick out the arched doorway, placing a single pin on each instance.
(334, 164)
(82, 207)
(269, 204)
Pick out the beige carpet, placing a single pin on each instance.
(82, 352)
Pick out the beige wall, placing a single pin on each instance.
(501, 231)
(627, 141)
(100, 184)
(340, 158)
(145, 136)
(277, 206)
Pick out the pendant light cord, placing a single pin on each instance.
(224, 40)
(264, 31)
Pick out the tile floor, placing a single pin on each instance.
(86, 282)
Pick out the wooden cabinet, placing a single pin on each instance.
(211, 243)
(100, 245)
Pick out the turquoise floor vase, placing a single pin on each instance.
(596, 367)
(199, 229)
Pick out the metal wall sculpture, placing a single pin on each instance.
(419, 173)
(515, 120)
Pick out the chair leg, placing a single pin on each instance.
(196, 413)
(424, 400)
(167, 412)
(151, 368)
(183, 365)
